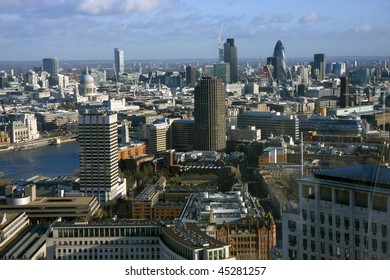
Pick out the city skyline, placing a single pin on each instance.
(166, 29)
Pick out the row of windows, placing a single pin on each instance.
(338, 253)
(358, 243)
(107, 242)
(109, 257)
(338, 221)
(360, 199)
(107, 250)
(108, 232)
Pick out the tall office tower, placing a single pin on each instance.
(119, 57)
(190, 75)
(342, 213)
(319, 66)
(344, 91)
(230, 56)
(98, 142)
(278, 61)
(51, 65)
(209, 113)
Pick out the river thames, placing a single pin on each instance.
(50, 161)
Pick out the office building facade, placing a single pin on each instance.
(98, 142)
(209, 112)
(270, 123)
(132, 240)
(342, 213)
(222, 71)
(230, 56)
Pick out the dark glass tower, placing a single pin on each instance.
(209, 113)
(190, 75)
(278, 61)
(230, 56)
(319, 65)
(344, 91)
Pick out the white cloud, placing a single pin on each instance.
(98, 7)
(363, 29)
(310, 17)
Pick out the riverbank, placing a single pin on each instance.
(57, 140)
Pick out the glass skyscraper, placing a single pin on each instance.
(119, 57)
(278, 61)
(51, 65)
(230, 56)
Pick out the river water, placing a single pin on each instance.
(50, 161)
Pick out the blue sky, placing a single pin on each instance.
(168, 29)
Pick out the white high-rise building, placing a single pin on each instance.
(119, 57)
(98, 142)
(343, 213)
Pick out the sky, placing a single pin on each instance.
(177, 29)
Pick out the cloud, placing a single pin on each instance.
(363, 29)
(310, 18)
(272, 18)
(99, 7)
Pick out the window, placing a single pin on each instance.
(347, 253)
(380, 203)
(338, 221)
(346, 223)
(374, 244)
(292, 240)
(357, 240)
(338, 252)
(312, 231)
(322, 232)
(313, 246)
(292, 225)
(338, 237)
(342, 197)
(331, 249)
(312, 216)
(322, 247)
(330, 233)
(357, 225)
(361, 200)
(304, 214)
(384, 246)
(292, 254)
(304, 228)
(330, 219)
(346, 238)
(384, 230)
(322, 217)
(326, 193)
(373, 228)
(304, 244)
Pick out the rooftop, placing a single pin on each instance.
(367, 174)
